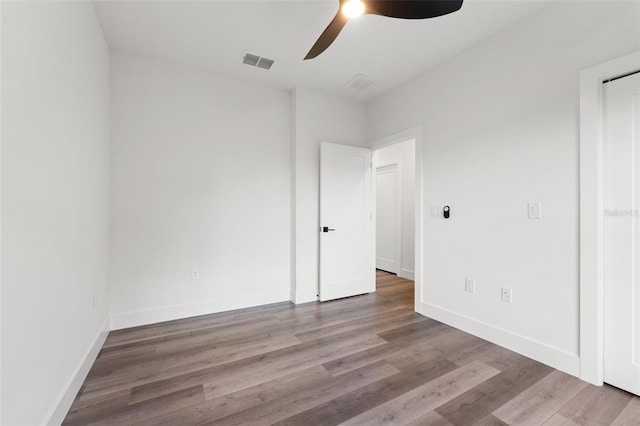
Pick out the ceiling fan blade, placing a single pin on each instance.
(412, 9)
(328, 35)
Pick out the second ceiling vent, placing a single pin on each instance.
(257, 61)
(359, 82)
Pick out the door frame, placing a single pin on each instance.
(414, 133)
(591, 212)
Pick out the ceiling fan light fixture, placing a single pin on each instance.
(353, 8)
(403, 9)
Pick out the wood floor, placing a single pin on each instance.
(359, 361)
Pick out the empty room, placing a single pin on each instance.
(320, 212)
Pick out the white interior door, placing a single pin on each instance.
(621, 190)
(346, 231)
(387, 218)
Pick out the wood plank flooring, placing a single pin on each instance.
(363, 360)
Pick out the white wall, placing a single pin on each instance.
(316, 118)
(501, 130)
(200, 169)
(403, 154)
(55, 133)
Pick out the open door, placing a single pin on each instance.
(346, 222)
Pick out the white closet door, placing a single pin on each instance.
(621, 228)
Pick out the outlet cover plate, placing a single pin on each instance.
(470, 285)
(195, 274)
(506, 294)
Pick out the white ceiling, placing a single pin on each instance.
(214, 34)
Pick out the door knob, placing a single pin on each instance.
(327, 229)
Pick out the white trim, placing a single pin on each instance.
(554, 357)
(414, 133)
(406, 274)
(121, 320)
(1, 210)
(293, 215)
(591, 282)
(304, 296)
(61, 407)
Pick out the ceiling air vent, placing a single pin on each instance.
(257, 61)
(265, 63)
(359, 82)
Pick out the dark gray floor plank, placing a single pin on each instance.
(430, 419)
(490, 420)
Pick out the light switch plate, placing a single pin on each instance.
(470, 285)
(535, 210)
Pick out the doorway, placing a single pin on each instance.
(395, 213)
(395, 289)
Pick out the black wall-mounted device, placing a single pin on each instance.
(446, 211)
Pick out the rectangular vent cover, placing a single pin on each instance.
(265, 63)
(250, 59)
(257, 61)
(359, 82)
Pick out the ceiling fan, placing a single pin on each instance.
(405, 9)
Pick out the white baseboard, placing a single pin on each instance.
(386, 264)
(406, 274)
(549, 355)
(307, 296)
(121, 320)
(59, 410)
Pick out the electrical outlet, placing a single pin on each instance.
(470, 285)
(195, 274)
(506, 294)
